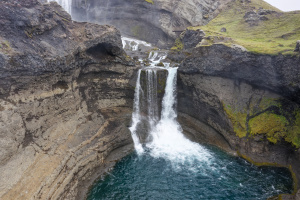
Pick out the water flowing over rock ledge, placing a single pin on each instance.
(65, 101)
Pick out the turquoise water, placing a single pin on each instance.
(221, 177)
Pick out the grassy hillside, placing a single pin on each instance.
(276, 35)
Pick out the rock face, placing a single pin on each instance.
(243, 102)
(191, 38)
(65, 101)
(152, 21)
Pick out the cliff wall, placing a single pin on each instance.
(243, 102)
(65, 101)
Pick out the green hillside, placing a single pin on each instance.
(277, 33)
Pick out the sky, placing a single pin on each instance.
(285, 5)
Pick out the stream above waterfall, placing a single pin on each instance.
(165, 164)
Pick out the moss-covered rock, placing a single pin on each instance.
(238, 119)
(150, 1)
(178, 45)
(270, 118)
(272, 125)
(293, 135)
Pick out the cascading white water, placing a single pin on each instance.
(136, 118)
(66, 4)
(166, 137)
(152, 97)
(133, 43)
(168, 140)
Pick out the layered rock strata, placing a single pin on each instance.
(65, 101)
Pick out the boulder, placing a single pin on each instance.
(253, 18)
(192, 37)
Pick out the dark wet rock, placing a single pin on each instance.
(66, 96)
(276, 73)
(192, 37)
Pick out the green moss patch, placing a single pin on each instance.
(238, 119)
(272, 118)
(293, 135)
(5, 46)
(149, 1)
(272, 125)
(178, 45)
(276, 35)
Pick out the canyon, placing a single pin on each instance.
(67, 91)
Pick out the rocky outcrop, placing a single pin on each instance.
(243, 102)
(65, 101)
(152, 21)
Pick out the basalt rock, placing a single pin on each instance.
(192, 37)
(65, 101)
(242, 102)
(151, 22)
(253, 18)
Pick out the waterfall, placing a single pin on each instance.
(152, 103)
(165, 136)
(133, 44)
(66, 4)
(168, 140)
(136, 118)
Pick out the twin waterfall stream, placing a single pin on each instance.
(165, 138)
